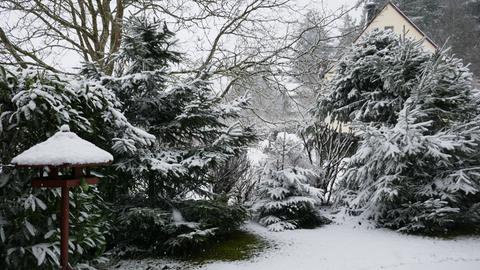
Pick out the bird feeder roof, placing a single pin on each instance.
(63, 149)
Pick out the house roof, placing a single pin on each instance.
(390, 3)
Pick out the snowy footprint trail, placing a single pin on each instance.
(346, 247)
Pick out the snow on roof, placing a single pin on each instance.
(63, 148)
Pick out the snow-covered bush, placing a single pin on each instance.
(213, 213)
(420, 171)
(285, 200)
(190, 226)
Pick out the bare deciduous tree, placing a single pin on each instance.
(43, 28)
(284, 89)
(37, 30)
(228, 39)
(328, 146)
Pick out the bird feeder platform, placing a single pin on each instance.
(63, 151)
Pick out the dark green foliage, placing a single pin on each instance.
(141, 228)
(190, 226)
(428, 217)
(34, 104)
(300, 215)
(233, 178)
(30, 227)
(213, 213)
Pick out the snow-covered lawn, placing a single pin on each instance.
(343, 247)
(349, 247)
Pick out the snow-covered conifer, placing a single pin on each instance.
(423, 173)
(373, 79)
(286, 200)
(194, 130)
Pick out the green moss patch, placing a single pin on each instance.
(235, 246)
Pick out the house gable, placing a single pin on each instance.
(391, 17)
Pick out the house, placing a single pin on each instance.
(390, 17)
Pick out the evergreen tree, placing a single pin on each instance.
(286, 200)
(194, 130)
(372, 80)
(422, 173)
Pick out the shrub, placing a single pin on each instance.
(29, 230)
(34, 103)
(188, 226)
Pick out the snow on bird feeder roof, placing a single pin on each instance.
(64, 148)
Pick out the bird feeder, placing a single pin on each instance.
(63, 152)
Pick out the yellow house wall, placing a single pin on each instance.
(391, 17)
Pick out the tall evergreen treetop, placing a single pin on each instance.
(373, 79)
(146, 46)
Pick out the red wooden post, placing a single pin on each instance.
(64, 228)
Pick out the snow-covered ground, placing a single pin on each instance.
(343, 247)
(350, 247)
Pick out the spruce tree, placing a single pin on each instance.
(372, 80)
(422, 173)
(285, 199)
(194, 131)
